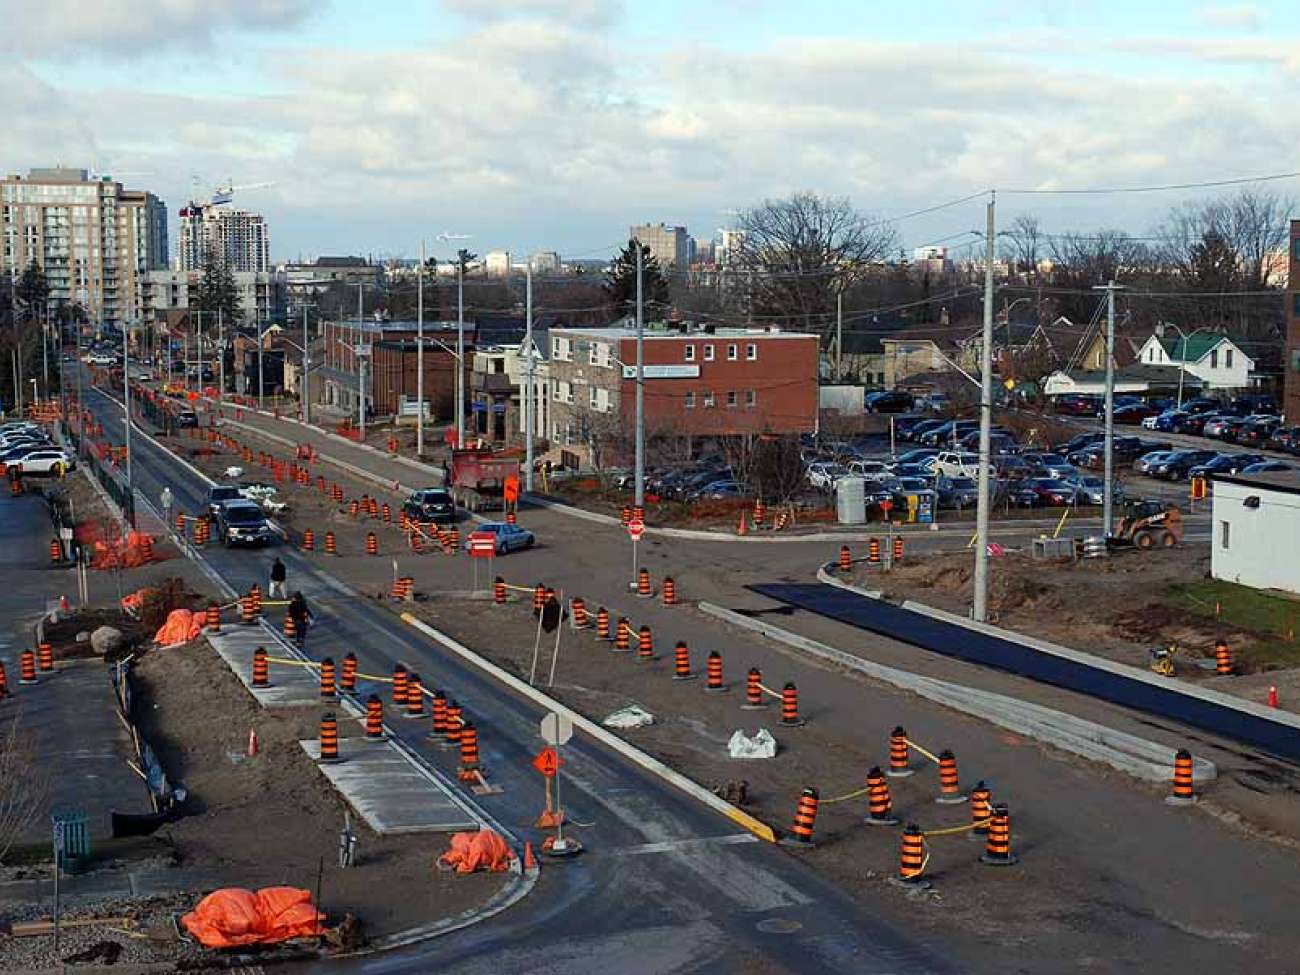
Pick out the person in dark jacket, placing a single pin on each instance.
(276, 590)
(301, 616)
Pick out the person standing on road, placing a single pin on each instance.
(276, 590)
(301, 616)
(166, 500)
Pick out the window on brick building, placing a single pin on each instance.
(689, 401)
(708, 349)
(751, 397)
(751, 351)
(731, 397)
(688, 353)
(708, 400)
(733, 353)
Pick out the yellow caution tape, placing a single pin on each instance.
(923, 751)
(769, 690)
(850, 795)
(956, 829)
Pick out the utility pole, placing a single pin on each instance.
(1108, 491)
(640, 380)
(980, 609)
(839, 334)
(460, 348)
(129, 509)
(261, 342)
(306, 365)
(221, 356)
(361, 365)
(528, 380)
(419, 356)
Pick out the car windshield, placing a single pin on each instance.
(436, 497)
(961, 484)
(224, 493)
(243, 514)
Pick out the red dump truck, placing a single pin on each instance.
(478, 477)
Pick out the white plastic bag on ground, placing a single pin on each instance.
(761, 745)
(234, 472)
(629, 717)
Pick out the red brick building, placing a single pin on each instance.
(1291, 360)
(699, 382)
(391, 375)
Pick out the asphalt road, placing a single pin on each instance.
(703, 899)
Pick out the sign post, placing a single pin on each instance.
(482, 545)
(58, 863)
(556, 729)
(886, 506)
(635, 529)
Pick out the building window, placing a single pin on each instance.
(1214, 358)
(731, 397)
(593, 354)
(708, 349)
(689, 401)
(751, 397)
(555, 390)
(732, 353)
(592, 398)
(751, 351)
(1225, 535)
(1295, 244)
(688, 353)
(708, 400)
(1296, 308)
(1227, 358)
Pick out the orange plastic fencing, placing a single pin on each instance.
(233, 916)
(484, 850)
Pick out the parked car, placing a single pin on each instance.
(1077, 443)
(509, 537)
(823, 475)
(1215, 426)
(219, 494)
(1146, 462)
(1078, 404)
(947, 432)
(871, 470)
(1195, 423)
(916, 455)
(1176, 466)
(187, 418)
(955, 464)
(1092, 489)
(1286, 439)
(1246, 405)
(716, 490)
(241, 522)
(47, 460)
(1054, 465)
(918, 430)
(958, 492)
(431, 504)
(891, 401)
(1000, 442)
(1267, 467)
(1052, 492)
(1134, 413)
(1256, 432)
(1225, 464)
(1203, 404)
(1167, 421)
(934, 402)
(1013, 468)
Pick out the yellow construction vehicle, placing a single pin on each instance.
(1148, 524)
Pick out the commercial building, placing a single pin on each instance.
(699, 382)
(262, 294)
(1291, 364)
(1256, 520)
(306, 280)
(546, 262)
(239, 238)
(497, 263)
(94, 240)
(668, 245)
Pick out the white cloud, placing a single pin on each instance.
(578, 13)
(1239, 17)
(135, 28)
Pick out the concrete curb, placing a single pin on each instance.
(1275, 715)
(1138, 757)
(606, 738)
(824, 575)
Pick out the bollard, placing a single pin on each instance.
(670, 591)
(578, 613)
(261, 668)
(180, 523)
(454, 723)
(602, 624)
(27, 667)
(414, 696)
(1222, 658)
(997, 850)
(329, 739)
(354, 508)
(468, 753)
(643, 583)
(388, 513)
(790, 706)
(374, 718)
(331, 544)
(372, 544)
(805, 817)
(682, 662)
(247, 609)
(949, 785)
(846, 559)
(308, 540)
(911, 857)
(439, 710)
(328, 689)
(625, 515)
(713, 673)
(399, 686)
(898, 754)
(873, 551)
(1182, 794)
(897, 555)
(539, 597)
(645, 648)
(760, 512)
(56, 551)
(453, 541)
(290, 628)
(511, 517)
(45, 656)
(623, 635)
(212, 618)
(499, 591)
(754, 691)
(638, 512)
(880, 806)
(348, 681)
(336, 494)
(981, 806)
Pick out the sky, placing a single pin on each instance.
(554, 124)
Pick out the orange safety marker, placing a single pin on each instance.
(1183, 793)
(469, 759)
(873, 551)
(949, 785)
(499, 591)
(790, 707)
(911, 856)
(331, 544)
(754, 691)
(372, 544)
(805, 817)
(713, 674)
(439, 712)
(997, 851)
(669, 591)
(45, 654)
(846, 559)
(578, 613)
(898, 754)
(623, 635)
(414, 696)
(261, 668)
(27, 667)
(212, 618)
(328, 688)
(602, 624)
(981, 806)
(348, 680)
(643, 583)
(682, 662)
(308, 540)
(880, 806)
(645, 648)
(329, 739)
(1223, 665)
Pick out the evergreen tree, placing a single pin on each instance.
(33, 290)
(218, 293)
(620, 281)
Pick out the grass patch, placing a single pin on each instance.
(1275, 619)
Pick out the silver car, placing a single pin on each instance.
(1145, 463)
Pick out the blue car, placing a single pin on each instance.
(509, 537)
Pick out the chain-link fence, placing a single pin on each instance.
(102, 470)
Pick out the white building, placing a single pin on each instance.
(1213, 358)
(667, 244)
(497, 263)
(1256, 522)
(546, 262)
(238, 237)
(262, 295)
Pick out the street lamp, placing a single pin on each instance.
(460, 339)
(1182, 365)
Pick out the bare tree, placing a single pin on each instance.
(603, 434)
(798, 253)
(738, 451)
(777, 469)
(23, 783)
(1025, 249)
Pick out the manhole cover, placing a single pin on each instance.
(778, 925)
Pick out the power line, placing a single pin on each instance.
(1207, 184)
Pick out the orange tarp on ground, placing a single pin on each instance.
(234, 916)
(484, 850)
(182, 626)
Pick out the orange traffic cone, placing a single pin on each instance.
(742, 528)
(1272, 696)
(530, 860)
(252, 742)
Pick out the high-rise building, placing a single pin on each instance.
(1291, 362)
(94, 240)
(667, 244)
(545, 262)
(727, 248)
(497, 263)
(239, 238)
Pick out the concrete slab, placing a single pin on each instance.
(389, 791)
(291, 686)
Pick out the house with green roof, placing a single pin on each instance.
(1212, 357)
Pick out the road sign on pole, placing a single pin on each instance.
(557, 729)
(547, 762)
(482, 545)
(635, 529)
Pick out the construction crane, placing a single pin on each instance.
(220, 196)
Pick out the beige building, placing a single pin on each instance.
(238, 237)
(668, 245)
(94, 240)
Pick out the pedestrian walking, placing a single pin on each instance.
(276, 589)
(301, 616)
(166, 500)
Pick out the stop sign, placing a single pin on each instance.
(636, 528)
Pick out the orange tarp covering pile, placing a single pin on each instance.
(182, 626)
(484, 850)
(234, 916)
(113, 552)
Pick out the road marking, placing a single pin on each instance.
(670, 845)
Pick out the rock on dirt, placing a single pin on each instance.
(107, 640)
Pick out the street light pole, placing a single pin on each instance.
(306, 365)
(1108, 492)
(640, 383)
(129, 508)
(460, 349)
(221, 356)
(528, 379)
(361, 367)
(419, 356)
(261, 341)
(979, 610)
